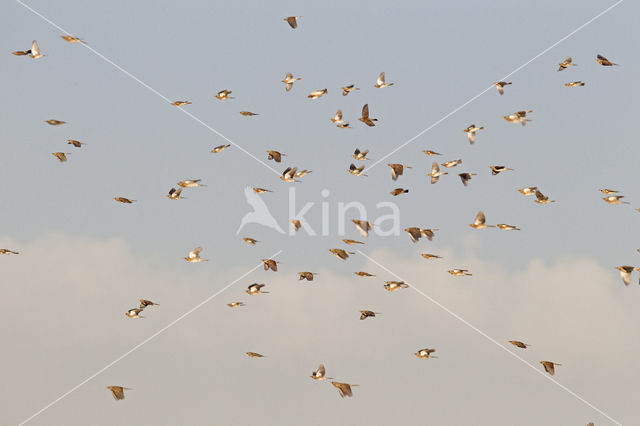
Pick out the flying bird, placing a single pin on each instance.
(574, 84)
(317, 93)
(295, 223)
(505, 227)
(568, 62)
(398, 191)
(124, 200)
(395, 285)
(250, 241)
(61, 156)
(306, 276)
(292, 21)
(289, 80)
(519, 344)
(275, 156)
(380, 83)
(134, 313)
(52, 122)
(615, 199)
(75, 143)
(270, 264)
(70, 39)
(247, 113)
(530, 190)
(360, 155)
(479, 222)
(35, 51)
(351, 242)
(7, 251)
(174, 194)
(348, 89)
(194, 256)
(180, 103)
(466, 177)
(429, 256)
(365, 116)
(542, 199)
(368, 314)
(397, 170)
(518, 117)
(608, 191)
(356, 171)
(625, 273)
(364, 274)
(599, 59)
(219, 148)
(261, 190)
(363, 226)
(340, 254)
(430, 153)
(144, 303)
(223, 95)
(498, 169)
(344, 388)
(255, 288)
(320, 374)
(117, 392)
(436, 173)
(549, 366)
(289, 174)
(425, 353)
(459, 272)
(471, 132)
(500, 86)
(235, 304)
(254, 355)
(190, 183)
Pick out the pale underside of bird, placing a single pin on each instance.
(505, 227)
(601, 60)
(261, 190)
(275, 155)
(471, 132)
(292, 21)
(425, 353)
(459, 272)
(609, 191)
(530, 190)
(436, 173)
(61, 156)
(320, 374)
(360, 155)
(289, 175)
(134, 313)
(338, 117)
(190, 183)
(479, 222)
(363, 227)
(344, 388)
(368, 314)
(365, 116)
(317, 93)
(356, 171)
(219, 148)
(180, 103)
(430, 153)
(7, 251)
(395, 285)
(348, 89)
(416, 233)
(295, 223)
(352, 242)
(518, 117)
(615, 199)
(397, 170)
(71, 39)
(250, 241)
(247, 113)
(542, 199)
(235, 304)
(254, 355)
(430, 256)
(466, 177)
(118, 392)
(575, 84)
(549, 366)
(381, 83)
(498, 169)
(194, 256)
(223, 95)
(340, 253)
(270, 264)
(500, 86)
(398, 191)
(568, 62)
(53, 122)
(144, 303)
(175, 194)
(364, 274)
(306, 276)
(124, 200)
(75, 143)
(519, 344)
(625, 273)
(452, 163)
(289, 80)
(255, 288)
(35, 50)
(301, 173)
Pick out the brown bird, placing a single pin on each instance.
(55, 122)
(235, 304)
(144, 303)
(608, 191)
(247, 113)
(429, 256)
(452, 163)
(549, 366)
(270, 264)
(498, 169)
(625, 273)
(317, 93)
(217, 149)
(61, 156)
(254, 289)
(261, 190)
(459, 272)
(500, 86)
(395, 285)
(519, 344)
(338, 117)
(194, 256)
(134, 313)
(352, 242)
(360, 155)
(344, 388)
(530, 190)
(542, 199)
(75, 143)
(341, 254)
(430, 153)
(518, 117)
(223, 95)
(295, 223)
(366, 314)
(363, 226)
(320, 374)
(356, 171)
(117, 392)
(471, 132)
(466, 177)
(505, 227)
(124, 200)
(250, 241)
(289, 80)
(275, 156)
(479, 222)
(292, 21)
(604, 61)
(70, 39)
(180, 103)
(425, 353)
(348, 89)
(398, 191)
(380, 82)
(436, 173)
(174, 194)
(566, 64)
(306, 276)
(254, 355)
(615, 199)
(365, 116)
(364, 274)
(7, 251)
(574, 84)
(397, 170)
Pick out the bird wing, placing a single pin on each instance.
(381, 79)
(480, 219)
(365, 112)
(35, 49)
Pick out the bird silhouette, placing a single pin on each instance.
(260, 213)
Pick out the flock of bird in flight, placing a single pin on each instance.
(291, 174)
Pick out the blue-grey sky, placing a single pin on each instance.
(86, 259)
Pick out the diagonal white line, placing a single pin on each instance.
(490, 87)
(492, 340)
(145, 341)
(142, 83)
